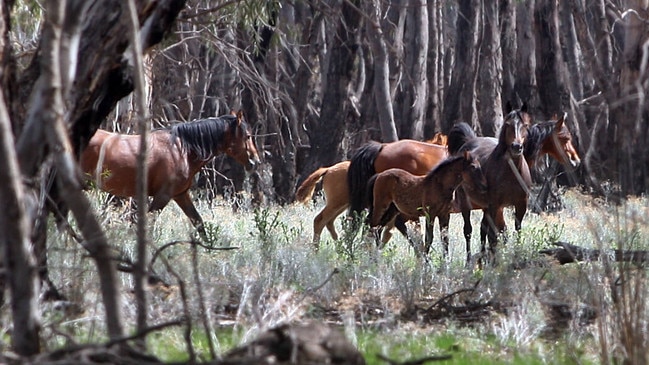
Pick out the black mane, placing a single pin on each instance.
(458, 136)
(204, 137)
(536, 134)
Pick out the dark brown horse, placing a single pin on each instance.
(175, 155)
(507, 173)
(549, 137)
(414, 196)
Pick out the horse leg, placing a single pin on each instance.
(519, 212)
(185, 203)
(501, 226)
(495, 222)
(443, 231)
(326, 218)
(468, 231)
(486, 227)
(464, 204)
(160, 201)
(386, 234)
(400, 224)
(318, 226)
(331, 216)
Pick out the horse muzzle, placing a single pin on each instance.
(516, 149)
(575, 162)
(252, 164)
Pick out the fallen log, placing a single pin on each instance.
(567, 253)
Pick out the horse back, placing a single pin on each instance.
(480, 147)
(111, 160)
(415, 157)
(334, 179)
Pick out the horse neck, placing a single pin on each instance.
(445, 179)
(523, 168)
(538, 136)
(196, 162)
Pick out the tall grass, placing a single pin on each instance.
(536, 311)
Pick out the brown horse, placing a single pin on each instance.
(175, 155)
(506, 170)
(416, 157)
(334, 184)
(414, 196)
(550, 137)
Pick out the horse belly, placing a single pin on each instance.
(118, 180)
(408, 198)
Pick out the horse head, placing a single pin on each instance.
(562, 147)
(514, 131)
(472, 174)
(241, 145)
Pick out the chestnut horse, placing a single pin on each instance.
(175, 155)
(506, 170)
(414, 196)
(549, 137)
(336, 191)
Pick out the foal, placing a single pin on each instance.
(414, 196)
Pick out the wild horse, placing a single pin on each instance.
(336, 191)
(414, 196)
(549, 137)
(175, 155)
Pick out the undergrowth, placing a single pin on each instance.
(388, 301)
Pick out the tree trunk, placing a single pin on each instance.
(630, 109)
(142, 112)
(56, 132)
(460, 101)
(435, 69)
(102, 78)
(508, 39)
(19, 263)
(415, 84)
(526, 88)
(381, 73)
(552, 89)
(327, 133)
(489, 80)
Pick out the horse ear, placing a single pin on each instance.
(508, 107)
(467, 155)
(524, 108)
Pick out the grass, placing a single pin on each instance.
(379, 299)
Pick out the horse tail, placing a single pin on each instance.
(458, 136)
(305, 191)
(361, 169)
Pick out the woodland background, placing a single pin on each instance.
(316, 79)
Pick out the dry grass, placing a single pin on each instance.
(594, 311)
